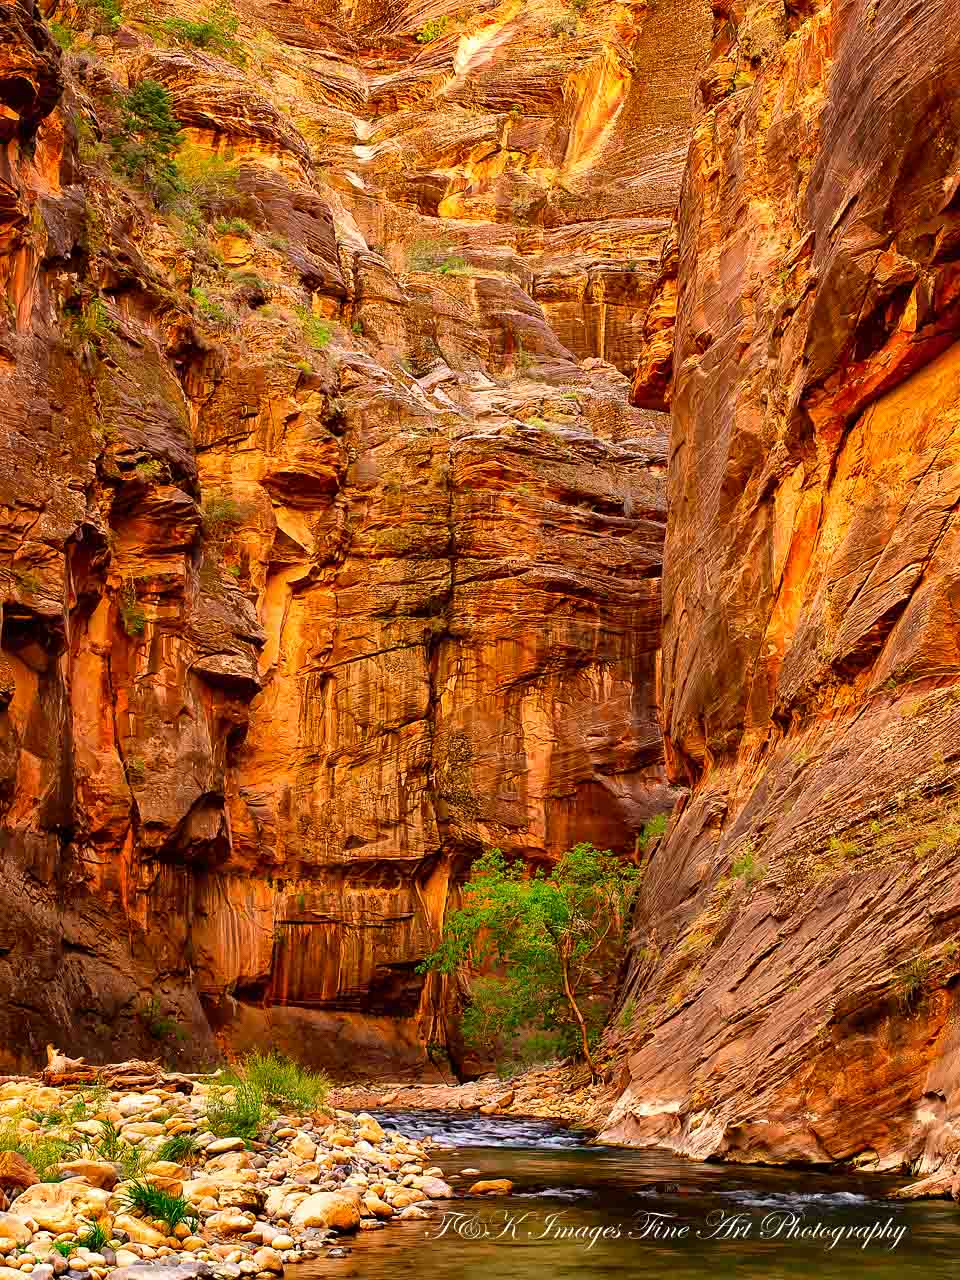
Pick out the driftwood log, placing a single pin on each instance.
(135, 1076)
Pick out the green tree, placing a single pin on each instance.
(546, 931)
(147, 140)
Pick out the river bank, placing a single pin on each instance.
(563, 1093)
(102, 1183)
(557, 1092)
(581, 1211)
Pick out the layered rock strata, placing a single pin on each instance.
(332, 542)
(793, 979)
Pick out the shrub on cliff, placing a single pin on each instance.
(546, 931)
(216, 31)
(147, 139)
(104, 16)
(431, 30)
(208, 179)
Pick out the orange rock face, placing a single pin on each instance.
(331, 541)
(796, 952)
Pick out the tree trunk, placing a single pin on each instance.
(572, 1001)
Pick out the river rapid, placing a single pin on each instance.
(582, 1212)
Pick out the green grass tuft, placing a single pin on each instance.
(284, 1083)
(149, 1201)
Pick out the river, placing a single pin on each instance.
(583, 1212)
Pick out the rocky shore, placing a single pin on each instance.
(556, 1092)
(233, 1206)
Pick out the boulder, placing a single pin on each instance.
(379, 1208)
(15, 1227)
(492, 1187)
(186, 1269)
(302, 1147)
(242, 1196)
(138, 1231)
(56, 1205)
(133, 1104)
(433, 1188)
(370, 1129)
(268, 1260)
(221, 1145)
(97, 1172)
(336, 1210)
(230, 1222)
(15, 1171)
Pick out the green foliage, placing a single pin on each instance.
(908, 982)
(105, 15)
(133, 1160)
(747, 867)
(236, 1111)
(212, 309)
(220, 512)
(41, 1151)
(316, 330)
(146, 142)
(432, 30)
(136, 770)
(149, 470)
(158, 1024)
(90, 325)
(27, 581)
(284, 1083)
(64, 1247)
(840, 847)
(233, 227)
(565, 26)
(207, 178)
(357, 327)
(216, 31)
(93, 1238)
(131, 610)
(111, 1147)
(63, 35)
(434, 256)
(546, 929)
(150, 1202)
(180, 1149)
(627, 1013)
(653, 828)
(522, 360)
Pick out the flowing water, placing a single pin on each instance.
(583, 1212)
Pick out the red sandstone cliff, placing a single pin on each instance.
(292, 627)
(796, 954)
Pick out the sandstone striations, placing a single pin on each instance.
(331, 541)
(795, 955)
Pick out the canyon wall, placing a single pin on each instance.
(331, 541)
(793, 982)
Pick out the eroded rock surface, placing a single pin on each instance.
(795, 958)
(331, 541)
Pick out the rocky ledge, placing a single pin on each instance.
(245, 1207)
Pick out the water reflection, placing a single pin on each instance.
(594, 1212)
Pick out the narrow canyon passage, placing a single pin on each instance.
(523, 427)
